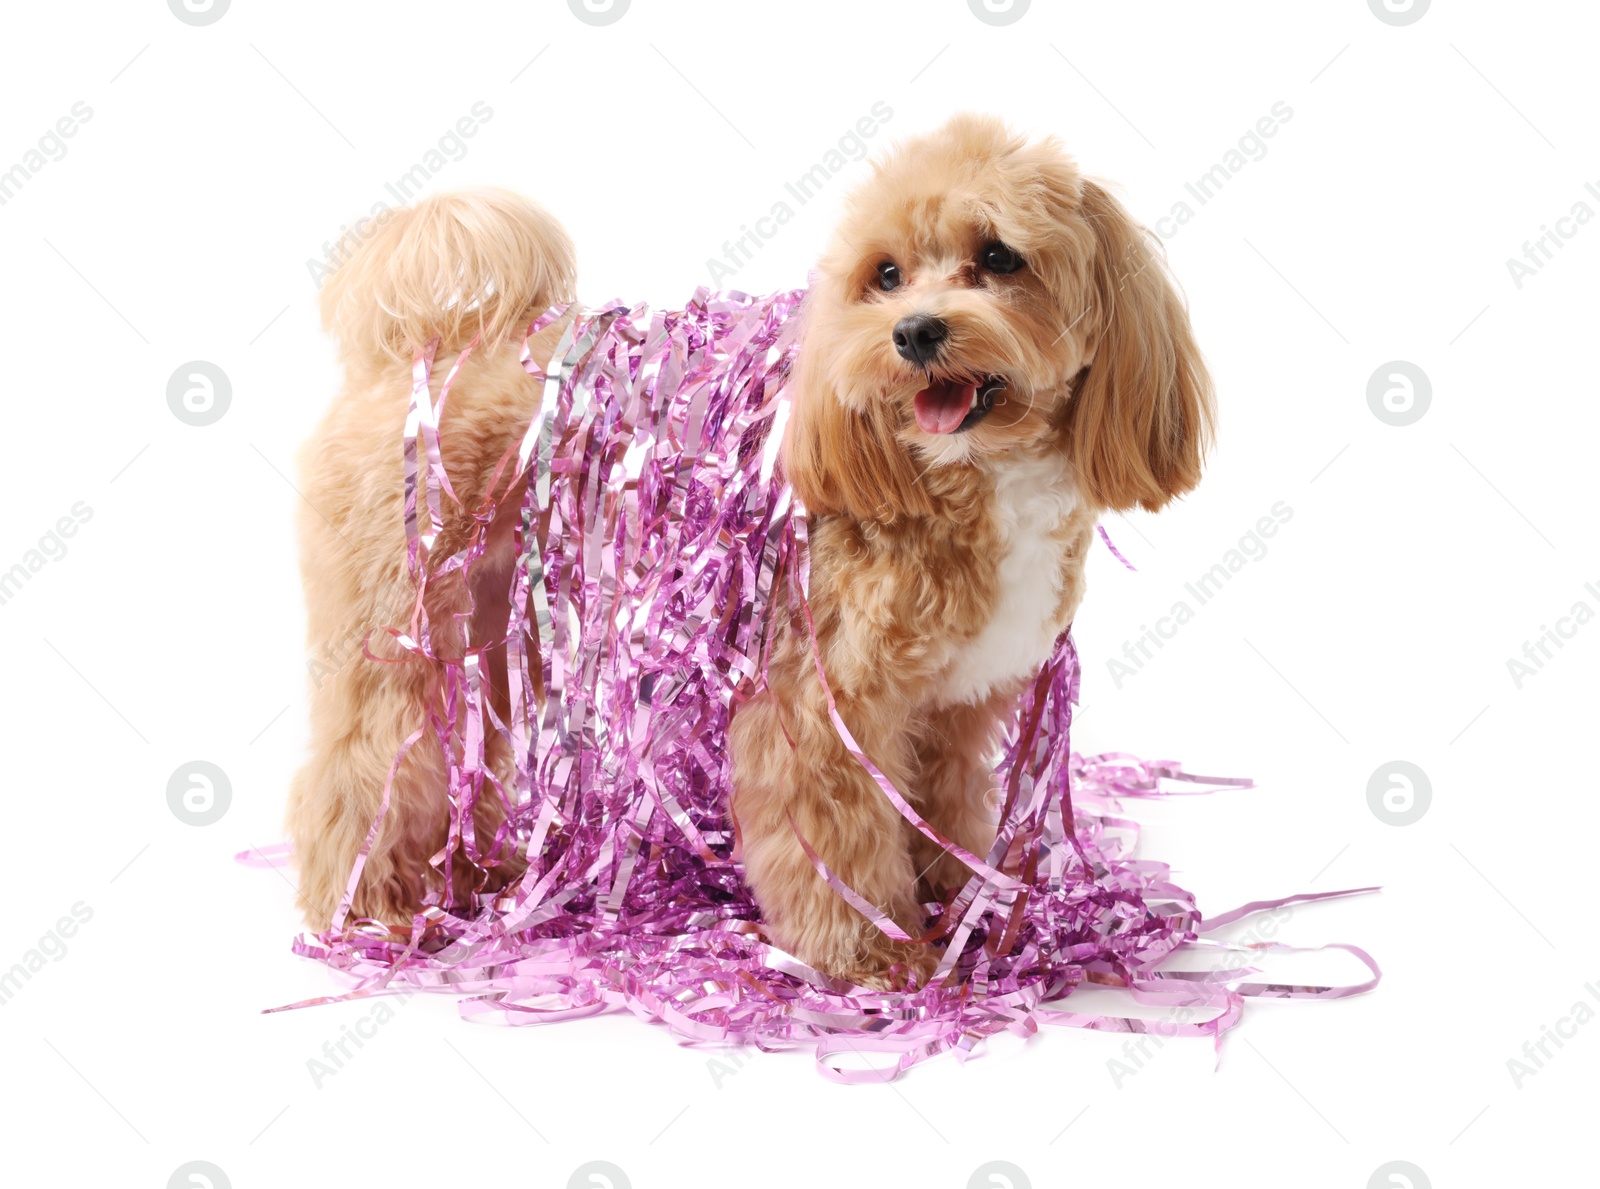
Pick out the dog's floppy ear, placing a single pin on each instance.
(844, 461)
(1141, 416)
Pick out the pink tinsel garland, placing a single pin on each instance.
(656, 540)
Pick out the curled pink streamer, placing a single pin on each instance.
(1115, 552)
(657, 545)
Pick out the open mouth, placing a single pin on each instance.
(955, 406)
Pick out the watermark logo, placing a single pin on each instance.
(1399, 12)
(199, 12)
(51, 547)
(336, 1054)
(1536, 253)
(998, 1174)
(1138, 1054)
(199, 393)
(1399, 1174)
(332, 657)
(450, 147)
(199, 1174)
(599, 12)
(850, 147)
(52, 146)
(199, 793)
(52, 947)
(1537, 651)
(999, 12)
(1139, 651)
(1535, 1053)
(1251, 146)
(1399, 793)
(598, 1174)
(1399, 393)
(721, 1070)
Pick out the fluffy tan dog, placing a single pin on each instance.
(992, 356)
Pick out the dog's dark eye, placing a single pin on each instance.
(996, 257)
(888, 276)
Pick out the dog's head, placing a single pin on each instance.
(980, 298)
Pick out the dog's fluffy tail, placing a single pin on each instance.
(476, 263)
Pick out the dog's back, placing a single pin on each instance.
(454, 269)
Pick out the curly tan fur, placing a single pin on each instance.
(943, 565)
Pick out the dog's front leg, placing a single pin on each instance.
(818, 790)
(792, 772)
(957, 747)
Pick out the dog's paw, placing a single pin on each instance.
(895, 966)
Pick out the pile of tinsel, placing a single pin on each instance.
(658, 544)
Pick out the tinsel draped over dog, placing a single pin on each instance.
(658, 548)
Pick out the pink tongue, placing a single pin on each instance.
(943, 405)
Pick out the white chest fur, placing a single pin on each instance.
(1032, 499)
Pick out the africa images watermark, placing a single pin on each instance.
(336, 1054)
(52, 146)
(852, 146)
(1252, 146)
(51, 947)
(452, 146)
(1537, 651)
(330, 658)
(1539, 252)
(723, 1067)
(1138, 1053)
(1535, 1053)
(50, 547)
(1251, 547)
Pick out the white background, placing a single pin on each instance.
(219, 160)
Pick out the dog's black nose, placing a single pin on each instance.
(919, 337)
